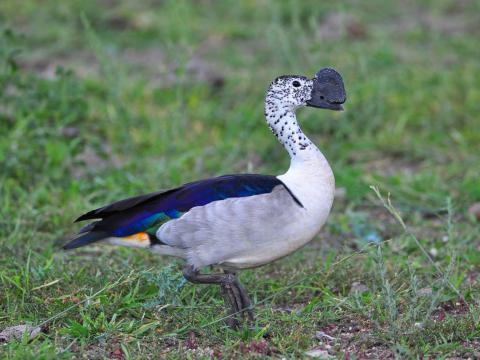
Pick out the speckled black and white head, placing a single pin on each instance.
(287, 93)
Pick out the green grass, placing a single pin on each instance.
(100, 101)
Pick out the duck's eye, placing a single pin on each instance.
(296, 83)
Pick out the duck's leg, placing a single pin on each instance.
(229, 299)
(241, 294)
(232, 292)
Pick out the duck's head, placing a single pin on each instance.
(324, 91)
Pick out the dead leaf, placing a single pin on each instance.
(358, 288)
(16, 332)
(191, 342)
(116, 354)
(320, 335)
(260, 347)
(425, 292)
(319, 353)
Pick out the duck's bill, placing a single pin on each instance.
(325, 105)
(328, 91)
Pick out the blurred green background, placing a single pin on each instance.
(101, 100)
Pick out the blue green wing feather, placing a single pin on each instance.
(145, 213)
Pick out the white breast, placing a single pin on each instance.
(311, 180)
(313, 184)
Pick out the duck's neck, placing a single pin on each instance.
(283, 123)
(309, 176)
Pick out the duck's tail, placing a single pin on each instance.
(140, 240)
